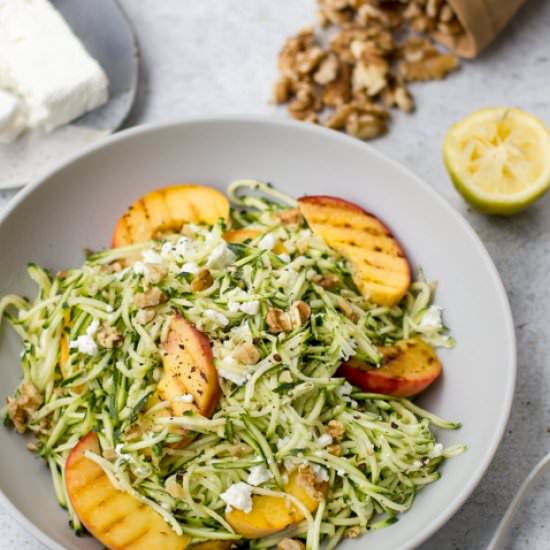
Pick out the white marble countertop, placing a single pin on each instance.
(218, 56)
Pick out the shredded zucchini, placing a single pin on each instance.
(273, 412)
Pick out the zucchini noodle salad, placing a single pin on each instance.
(227, 374)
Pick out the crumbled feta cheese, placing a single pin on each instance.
(311, 274)
(166, 249)
(345, 389)
(190, 267)
(431, 320)
(267, 242)
(185, 398)
(140, 268)
(221, 257)
(92, 327)
(324, 440)
(436, 451)
(233, 307)
(282, 442)
(250, 308)
(238, 496)
(85, 344)
(258, 475)
(320, 473)
(183, 246)
(242, 332)
(151, 257)
(229, 369)
(216, 317)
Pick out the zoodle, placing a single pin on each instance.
(92, 361)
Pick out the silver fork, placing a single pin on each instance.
(536, 473)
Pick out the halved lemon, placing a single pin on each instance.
(499, 159)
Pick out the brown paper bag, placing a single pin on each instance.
(482, 21)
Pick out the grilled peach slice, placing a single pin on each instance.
(116, 519)
(409, 367)
(240, 235)
(167, 210)
(188, 369)
(379, 266)
(271, 514)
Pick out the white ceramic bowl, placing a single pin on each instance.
(76, 207)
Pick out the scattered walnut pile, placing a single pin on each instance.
(375, 51)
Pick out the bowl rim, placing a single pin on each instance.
(459, 498)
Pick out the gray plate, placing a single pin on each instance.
(105, 31)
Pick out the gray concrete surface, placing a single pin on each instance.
(218, 56)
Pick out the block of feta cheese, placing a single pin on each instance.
(12, 117)
(46, 64)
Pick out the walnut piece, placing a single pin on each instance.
(308, 479)
(346, 309)
(285, 321)
(300, 312)
(109, 454)
(398, 95)
(291, 216)
(173, 488)
(338, 91)
(154, 274)
(202, 280)
(365, 126)
(306, 102)
(290, 544)
(247, 353)
(327, 281)
(21, 408)
(353, 532)
(150, 298)
(327, 70)
(108, 336)
(282, 90)
(144, 316)
(336, 430)
(335, 450)
(371, 77)
(277, 320)
(433, 68)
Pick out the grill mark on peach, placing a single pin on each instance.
(118, 521)
(385, 267)
(139, 536)
(169, 222)
(379, 278)
(84, 485)
(134, 228)
(374, 232)
(92, 487)
(195, 212)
